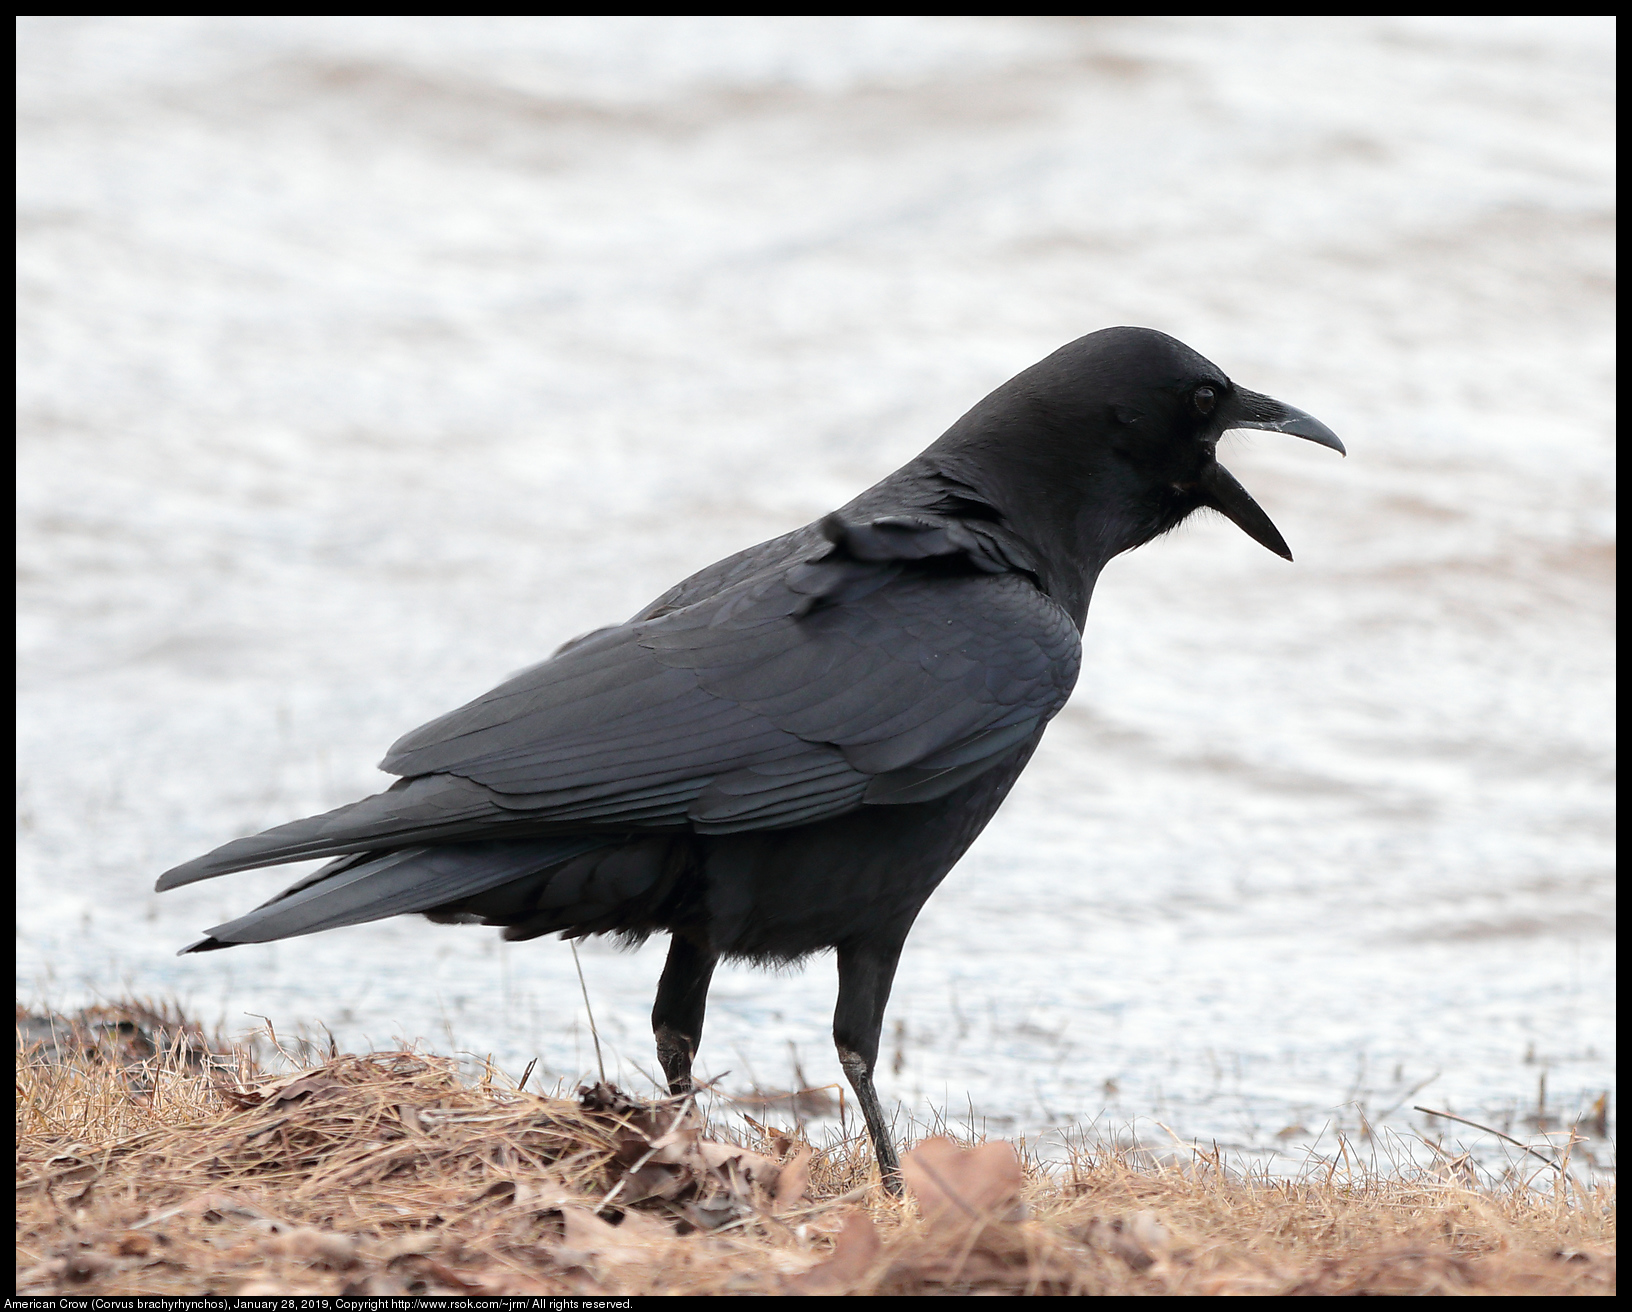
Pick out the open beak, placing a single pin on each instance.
(1246, 409)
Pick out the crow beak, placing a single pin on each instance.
(1246, 409)
(1225, 495)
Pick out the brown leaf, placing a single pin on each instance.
(375, 1284)
(266, 1088)
(267, 1287)
(135, 1244)
(654, 1180)
(312, 1086)
(544, 1195)
(448, 1276)
(529, 1196)
(794, 1180)
(1139, 1240)
(745, 1171)
(416, 1243)
(961, 1266)
(238, 1097)
(317, 1247)
(428, 1266)
(853, 1257)
(640, 1227)
(211, 1206)
(963, 1185)
(711, 1216)
(676, 1146)
(66, 1169)
(585, 1235)
(83, 1266)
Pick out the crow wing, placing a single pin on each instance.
(909, 655)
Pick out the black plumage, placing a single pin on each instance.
(789, 750)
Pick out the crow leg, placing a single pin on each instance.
(677, 1015)
(865, 975)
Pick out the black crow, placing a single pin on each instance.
(789, 750)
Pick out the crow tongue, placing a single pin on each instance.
(1229, 498)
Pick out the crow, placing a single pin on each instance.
(788, 751)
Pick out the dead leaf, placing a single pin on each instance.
(956, 1185)
(1139, 1240)
(412, 1244)
(135, 1244)
(429, 1266)
(374, 1285)
(542, 1196)
(677, 1144)
(313, 1246)
(223, 1206)
(639, 1227)
(267, 1288)
(711, 1216)
(853, 1257)
(311, 1086)
(743, 1170)
(67, 1168)
(448, 1276)
(218, 1207)
(237, 1095)
(794, 1179)
(655, 1180)
(956, 1266)
(266, 1088)
(585, 1235)
(79, 1267)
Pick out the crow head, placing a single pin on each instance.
(1111, 441)
(1164, 410)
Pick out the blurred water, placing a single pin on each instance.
(362, 361)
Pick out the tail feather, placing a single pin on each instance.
(440, 807)
(356, 889)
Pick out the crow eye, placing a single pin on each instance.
(1205, 398)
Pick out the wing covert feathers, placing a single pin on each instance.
(851, 663)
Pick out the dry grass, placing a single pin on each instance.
(151, 1162)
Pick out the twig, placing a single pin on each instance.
(1412, 1092)
(439, 1116)
(1429, 1111)
(274, 1036)
(593, 1032)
